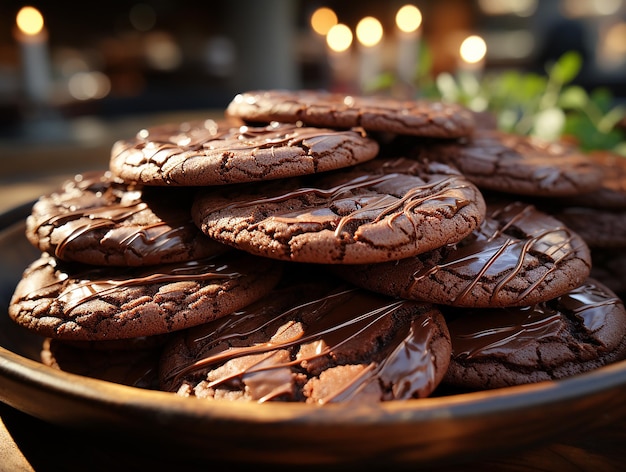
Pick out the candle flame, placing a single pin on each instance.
(29, 21)
(369, 31)
(408, 18)
(473, 49)
(339, 38)
(322, 20)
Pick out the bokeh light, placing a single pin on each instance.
(339, 38)
(408, 18)
(369, 31)
(29, 21)
(473, 49)
(322, 20)
(89, 85)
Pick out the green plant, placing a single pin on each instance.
(549, 106)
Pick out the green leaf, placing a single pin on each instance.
(507, 120)
(566, 68)
(447, 87)
(573, 97)
(549, 123)
(602, 98)
(532, 87)
(383, 81)
(424, 61)
(468, 83)
(589, 137)
(612, 118)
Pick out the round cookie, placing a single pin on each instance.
(518, 256)
(600, 228)
(334, 110)
(609, 268)
(207, 153)
(137, 367)
(71, 301)
(381, 210)
(516, 164)
(574, 333)
(612, 191)
(599, 217)
(315, 344)
(97, 219)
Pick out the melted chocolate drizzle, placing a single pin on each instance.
(77, 287)
(322, 325)
(375, 208)
(104, 205)
(160, 143)
(489, 251)
(502, 331)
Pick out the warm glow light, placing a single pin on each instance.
(29, 21)
(369, 31)
(473, 49)
(322, 20)
(616, 38)
(408, 18)
(89, 85)
(162, 51)
(339, 38)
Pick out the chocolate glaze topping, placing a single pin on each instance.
(395, 188)
(499, 247)
(120, 217)
(159, 142)
(171, 147)
(368, 207)
(74, 288)
(506, 330)
(305, 336)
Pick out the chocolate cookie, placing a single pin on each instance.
(97, 219)
(518, 256)
(571, 334)
(208, 153)
(609, 268)
(380, 114)
(73, 301)
(599, 217)
(381, 210)
(313, 344)
(600, 228)
(133, 367)
(611, 194)
(516, 164)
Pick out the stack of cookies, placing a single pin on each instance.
(315, 247)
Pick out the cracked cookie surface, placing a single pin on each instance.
(579, 331)
(94, 218)
(78, 302)
(212, 153)
(518, 256)
(516, 164)
(373, 113)
(381, 210)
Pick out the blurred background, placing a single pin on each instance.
(81, 68)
